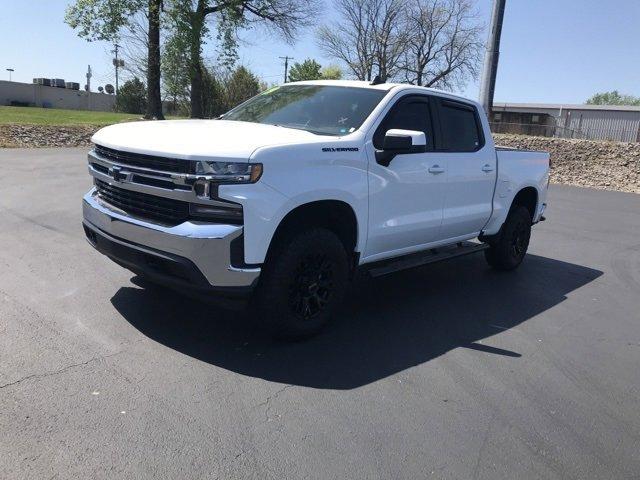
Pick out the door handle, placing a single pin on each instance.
(436, 169)
(487, 168)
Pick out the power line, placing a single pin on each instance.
(286, 66)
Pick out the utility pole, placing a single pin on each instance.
(117, 63)
(491, 56)
(10, 70)
(286, 67)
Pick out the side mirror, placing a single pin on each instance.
(400, 142)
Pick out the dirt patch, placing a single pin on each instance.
(585, 163)
(27, 136)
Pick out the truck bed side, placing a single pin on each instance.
(517, 170)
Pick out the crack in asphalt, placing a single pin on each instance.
(267, 401)
(57, 372)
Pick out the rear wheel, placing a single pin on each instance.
(509, 250)
(303, 282)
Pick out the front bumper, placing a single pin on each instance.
(193, 253)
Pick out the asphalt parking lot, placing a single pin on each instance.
(448, 371)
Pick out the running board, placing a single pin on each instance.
(424, 258)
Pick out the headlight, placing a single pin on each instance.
(232, 172)
(217, 173)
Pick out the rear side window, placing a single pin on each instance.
(460, 129)
(407, 114)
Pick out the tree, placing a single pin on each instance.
(191, 16)
(331, 72)
(443, 45)
(368, 38)
(425, 42)
(241, 86)
(132, 97)
(307, 70)
(175, 73)
(613, 98)
(154, 107)
(214, 94)
(105, 19)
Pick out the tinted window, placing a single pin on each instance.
(410, 114)
(321, 109)
(459, 128)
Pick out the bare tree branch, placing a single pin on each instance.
(424, 42)
(443, 43)
(368, 38)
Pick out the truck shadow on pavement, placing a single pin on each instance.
(387, 324)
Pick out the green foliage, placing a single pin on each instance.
(613, 98)
(223, 91)
(101, 19)
(214, 96)
(307, 70)
(175, 72)
(132, 97)
(312, 70)
(241, 86)
(331, 72)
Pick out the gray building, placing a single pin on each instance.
(595, 122)
(16, 93)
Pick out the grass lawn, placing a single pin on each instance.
(55, 116)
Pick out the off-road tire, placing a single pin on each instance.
(302, 283)
(508, 251)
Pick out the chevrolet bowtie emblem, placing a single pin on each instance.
(117, 174)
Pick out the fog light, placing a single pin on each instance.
(220, 213)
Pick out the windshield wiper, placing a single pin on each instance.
(315, 132)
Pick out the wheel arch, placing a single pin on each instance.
(337, 216)
(526, 197)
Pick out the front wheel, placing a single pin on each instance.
(303, 282)
(509, 250)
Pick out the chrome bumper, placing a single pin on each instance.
(208, 246)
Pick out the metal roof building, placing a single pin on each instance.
(595, 122)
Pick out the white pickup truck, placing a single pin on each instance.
(284, 197)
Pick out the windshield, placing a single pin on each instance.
(319, 109)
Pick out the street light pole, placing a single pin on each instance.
(491, 56)
(10, 70)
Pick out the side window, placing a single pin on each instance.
(460, 128)
(407, 114)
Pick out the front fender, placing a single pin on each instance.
(265, 207)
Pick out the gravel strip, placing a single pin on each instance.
(585, 163)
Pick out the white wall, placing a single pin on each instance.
(52, 97)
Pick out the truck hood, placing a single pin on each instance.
(199, 139)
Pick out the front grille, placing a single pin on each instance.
(162, 210)
(146, 161)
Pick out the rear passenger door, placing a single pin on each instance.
(471, 169)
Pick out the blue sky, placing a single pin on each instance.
(556, 51)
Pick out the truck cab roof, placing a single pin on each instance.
(383, 86)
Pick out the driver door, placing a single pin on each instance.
(406, 198)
